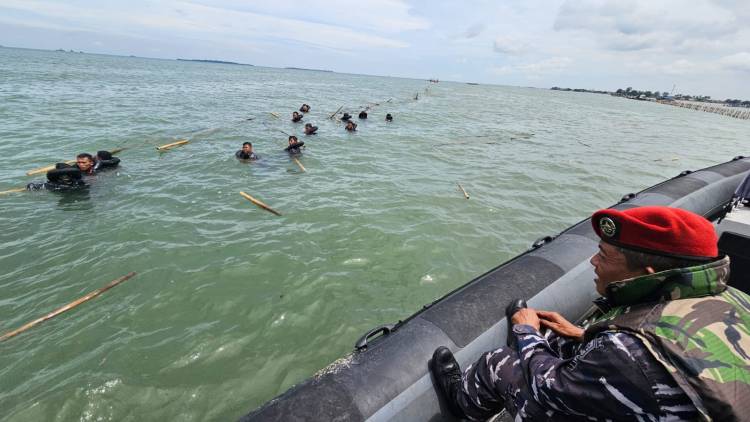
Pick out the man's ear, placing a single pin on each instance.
(650, 270)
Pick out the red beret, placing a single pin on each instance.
(662, 231)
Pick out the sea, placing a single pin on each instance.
(232, 305)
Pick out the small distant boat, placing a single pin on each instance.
(471, 83)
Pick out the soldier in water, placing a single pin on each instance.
(295, 146)
(669, 339)
(246, 153)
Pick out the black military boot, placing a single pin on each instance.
(447, 375)
(514, 306)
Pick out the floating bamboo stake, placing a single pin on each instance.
(260, 204)
(335, 113)
(5, 192)
(283, 132)
(46, 169)
(52, 167)
(172, 145)
(274, 114)
(296, 161)
(466, 195)
(67, 307)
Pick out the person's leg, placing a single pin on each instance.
(482, 390)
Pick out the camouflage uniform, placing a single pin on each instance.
(667, 346)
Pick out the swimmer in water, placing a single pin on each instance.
(63, 177)
(246, 153)
(85, 163)
(296, 117)
(351, 126)
(305, 108)
(346, 117)
(310, 129)
(295, 147)
(104, 160)
(362, 114)
(388, 117)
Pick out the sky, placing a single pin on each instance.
(698, 47)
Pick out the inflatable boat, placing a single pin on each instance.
(386, 377)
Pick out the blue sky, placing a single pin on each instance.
(701, 46)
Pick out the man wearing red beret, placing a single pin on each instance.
(669, 341)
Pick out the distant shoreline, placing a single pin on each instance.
(213, 61)
(309, 70)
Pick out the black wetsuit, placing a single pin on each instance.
(63, 178)
(102, 165)
(294, 149)
(245, 156)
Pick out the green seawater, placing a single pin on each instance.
(232, 305)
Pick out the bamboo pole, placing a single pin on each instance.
(260, 204)
(52, 167)
(274, 114)
(172, 145)
(67, 307)
(5, 192)
(296, 161)
(335, 113)
(466, 195)
(46, 168)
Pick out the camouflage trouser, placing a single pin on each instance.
(495, 382)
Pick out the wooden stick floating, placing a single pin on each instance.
(260, 204)
(67, 307)
(296, 161)
(274, 114)
(5, 192)
(466, 195)
(172, 145)
(46, 169)
(335, 113)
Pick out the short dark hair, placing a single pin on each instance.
(85, 155)
(247, 143)
(292, 137)
(638, 260)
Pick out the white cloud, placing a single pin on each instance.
(474, 30)
(177, 18)
(542, 67)
(738, 62)
(508, 45)
(388, 16)
(645, 24)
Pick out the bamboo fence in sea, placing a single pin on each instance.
(736, 112)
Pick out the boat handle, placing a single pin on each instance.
(541, 242)
(362, 342)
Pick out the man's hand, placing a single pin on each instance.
(560, 325)
(526, 316)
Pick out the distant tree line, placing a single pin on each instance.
(636, 94)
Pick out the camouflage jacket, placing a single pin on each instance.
(695, 326)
